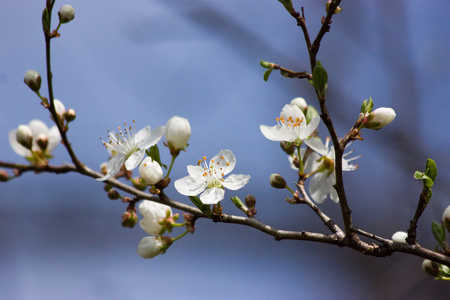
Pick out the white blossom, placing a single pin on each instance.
(379, 118)
(129, 147)
(38, 131)
(400, 237)
(291, 126)
(208, 178)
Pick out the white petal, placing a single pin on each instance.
(277, 133)
(135, 159)
(212, 195)
(309, 129)
(317, 145)
(318, 187)
(235, 182)
(149, 247)
(195, 170)
(18, 148)
(190, 185)
(151, 139)
(113, 166)
(228, 158)
(54, 138)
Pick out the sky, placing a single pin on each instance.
(60, 236)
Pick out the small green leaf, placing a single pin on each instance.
(320, 79)
(265, 64)
(46, 21)
(426, 180)
(267, 74)
(284, 73)
(311, 113)
(153, 152)
(287, 5)
(431, 169)
(438, 232)
(203, 207)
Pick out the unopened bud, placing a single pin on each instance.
(336, 11)
(446, 218)
(33, 80)
(300, 103)
(430, 267)
(400, 237)
(66, 13)
(24, 136)
(379, 118)
(287, 147)
(113, 194)
(4, 176)
(277, 181)
(59, 108)
(250, 201)
(138, 184)
(129, 219)
(70, 115)
(42, 141)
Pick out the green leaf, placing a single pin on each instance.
(438, 232)
(320, 79)
(46, 21)
(265, 64)
(427, 181)
(267, 74)
(203, 207)
(153, 152)
(287, 5)
(311, 113)
(431, 169)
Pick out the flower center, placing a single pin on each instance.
(290, 122)
(214, 172)
(124, 141)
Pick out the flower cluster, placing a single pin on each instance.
(157, 219)
(297, 125)
(35, 141)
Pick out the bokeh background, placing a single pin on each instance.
(118, 61)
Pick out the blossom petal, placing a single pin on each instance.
(309, 129)
(228, 158)
(113, 166)
(135, 159)
(195, 170)
(190, 185)
(319, 187)
(54, 138)
(235, 182)
(18, 148)
(277, 133)
(147, 139)
(317, 145)
(212, 195)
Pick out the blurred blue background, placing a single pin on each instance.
(118, 61)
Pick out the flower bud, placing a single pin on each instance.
(301, 103)
(113, 194)
(59, 108)
(446, 218)
(151, 171)
(33, 80)
(42, 141)
(178, 132)
(70, 115)
(4, 176)
(152, 213)
(24, 136)
(149, 247)
(138, 184)
(430, 267)
(250, 201)
(287, 147)
(379, 118)
(129, 219)
(277, 181)
(336, 11)
(400, 237)
(66, 13)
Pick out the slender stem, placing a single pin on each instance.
(171, 165)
